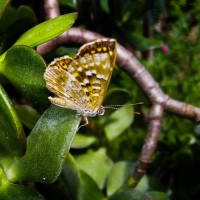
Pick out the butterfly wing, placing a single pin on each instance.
(81, 83)
(68, 90)
(94, 65)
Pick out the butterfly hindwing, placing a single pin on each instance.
(65, 87)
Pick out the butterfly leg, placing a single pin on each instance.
(85, 119)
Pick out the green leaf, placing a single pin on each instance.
(121, 176)
(72, 177)
(96, 164)
(121, 96)
(19, 192)
(47, 146)
(81, 185)
(24, 68)
(118, 122)
(28, 115)
(157, 195)
(25, 12)
(23, 18)
(90, 190)
(70, 3)
(12, 136)
(14, 22)
(142, 43)
(128, 195)
(3, 5)
(105, 6)
(83, 141)
(7, 19)
(47, 30)
(143, 185)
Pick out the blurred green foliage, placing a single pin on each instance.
(165, 37)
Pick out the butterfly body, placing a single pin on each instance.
(81, 83)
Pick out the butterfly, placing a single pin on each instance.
(80, 83)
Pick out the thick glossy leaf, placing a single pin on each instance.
(3, 5)
(47, 30)
(6, 19)
(96, 164)
(12, 136)
(121, 176)
(14, 22)
(47, 146)
(81, 185)
(24, 68)
(90, 190)
(19, 192)
(118, 122)
(72, 177)
(128, 195)
(25, 12)
(83, 141)
(28, 115)
(23, 18)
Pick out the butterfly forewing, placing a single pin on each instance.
(95, 63)
(81, 83)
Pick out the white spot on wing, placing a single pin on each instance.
(101, 76)
(94, 71)
(95, 95)
(80, 69)
(97, 87)
(71, 69)
(88, 73)
(86, 81)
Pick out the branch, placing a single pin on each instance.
(51, 8)
(155, 120)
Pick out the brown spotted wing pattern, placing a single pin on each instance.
(81, 83)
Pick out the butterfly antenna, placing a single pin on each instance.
(116, 107)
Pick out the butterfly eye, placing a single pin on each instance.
(101, 111)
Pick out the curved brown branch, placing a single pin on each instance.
(127, 62)
(51, 9)
(183, 109)
(155, 121)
